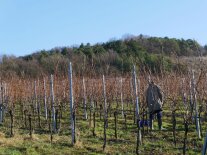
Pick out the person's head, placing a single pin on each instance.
(150, 80)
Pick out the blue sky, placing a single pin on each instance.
(27, 26)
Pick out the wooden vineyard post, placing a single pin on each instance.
(45, 98)
(94, 122)
(133, 98)
(191, 99)
(205, 113)
(33, 115)
(92, 106)
(184, 94)
(1, 103)
(91, 109)
(52, 103)
(35, 108)
(12, 123)
(199, 116)
(174, 126)
(25, 118)
(3, 94)
(3, 100)
(56, 119)
(72, 111)
(185, 136)
(100, 114)
(38, 112)
(143, 119)
(131, 95)
(35, 96)
(125, 121)
(22, 108)
(195, 106)
(84, 100)
(50, 128)
(105, 111)
(122, 103)
(39, 106)
(139, 136)
(205, 146)
(30, 126)
(116, 94)
(115, 122)
(59, 117)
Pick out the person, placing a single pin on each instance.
(154, 100)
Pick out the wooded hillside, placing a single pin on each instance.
(150, 54)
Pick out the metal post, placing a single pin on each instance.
(45, 98)
(135, 92)
(84, 100)
(105, 111)
(139, 134)
(196, 109)
(71, 103)
(104, 94)
(52, 102)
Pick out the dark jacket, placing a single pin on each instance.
(154, 98)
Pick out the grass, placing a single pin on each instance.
(155, 142)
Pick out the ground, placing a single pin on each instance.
(155, 142)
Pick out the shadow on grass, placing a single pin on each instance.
(19, 149)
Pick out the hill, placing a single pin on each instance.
(151, 54)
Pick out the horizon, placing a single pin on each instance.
(28, 27)
(126, 36)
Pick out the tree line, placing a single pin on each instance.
(150, 54)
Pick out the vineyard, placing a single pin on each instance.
(102, 114)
